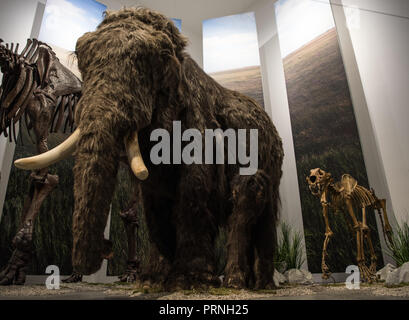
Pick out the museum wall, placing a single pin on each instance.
(380, 44)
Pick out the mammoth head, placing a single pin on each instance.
(130, 66)
(318, 180)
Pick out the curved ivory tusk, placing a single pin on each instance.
(134, 156)
(46, 159)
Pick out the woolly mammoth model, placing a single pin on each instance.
(137, 77)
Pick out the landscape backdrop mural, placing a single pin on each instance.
(323, 122)
(64, 21)
(231, 53)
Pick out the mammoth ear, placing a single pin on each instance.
(170, 73)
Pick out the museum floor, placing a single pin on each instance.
(115, 291)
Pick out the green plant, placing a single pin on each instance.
(399, 247)
(289, 253)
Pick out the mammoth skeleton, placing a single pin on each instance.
(40, 91)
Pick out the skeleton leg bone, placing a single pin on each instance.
(358, 227)
(364, 225)
(367, 275)
(387, 226)
(15, 272)
(366, 234)
(359, 251)
(361, 231)
(328, 234)
(131, 222)
(372, 267)
(352, 213)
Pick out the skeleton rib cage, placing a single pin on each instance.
(348, 187)
(33, 75)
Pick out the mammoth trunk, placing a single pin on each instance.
(95, 172)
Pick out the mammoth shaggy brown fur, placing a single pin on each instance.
(138, 77)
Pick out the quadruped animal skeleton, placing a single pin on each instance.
(39, 90)
(348, 194)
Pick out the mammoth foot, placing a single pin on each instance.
(73, 278)
(15, 271)
(129, 277)
(265, 283)
(191, 281)
(132, 273)
(235, 280)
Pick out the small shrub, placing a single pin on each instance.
(399, 247)
(289, 253)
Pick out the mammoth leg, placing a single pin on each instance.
(265, 241)
(265, 231)
(196, 230)
(162, 240)
(95, 172)
(250, 217)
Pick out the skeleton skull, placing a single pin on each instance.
(317, 180)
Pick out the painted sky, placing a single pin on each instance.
(230, 43)
(300, 21)
(178, 23)
(64, 21)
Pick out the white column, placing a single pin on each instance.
(276, 104)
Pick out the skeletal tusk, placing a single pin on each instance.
(134, 156)
(46, 159)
